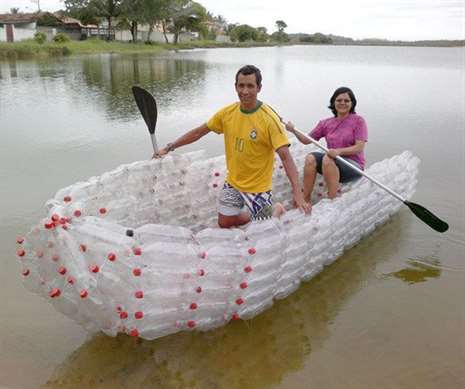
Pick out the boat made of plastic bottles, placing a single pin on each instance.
(137, 250)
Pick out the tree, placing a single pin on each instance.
(262, 34)
(153, 14)
(133, 14)
(280, 35)
(187, 15)
(280, 25)
(108, 9)
(79, 9)
(14, 11)
(243, 33)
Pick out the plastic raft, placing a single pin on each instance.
(137, 249)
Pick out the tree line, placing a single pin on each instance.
(174, 16)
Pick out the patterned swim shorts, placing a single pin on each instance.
(231, 202)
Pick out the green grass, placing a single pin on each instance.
(31, 49)
(92, 46)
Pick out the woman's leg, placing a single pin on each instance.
(331, 175)
(309, 177)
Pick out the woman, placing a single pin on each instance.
(345, 135)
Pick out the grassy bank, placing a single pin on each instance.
(31, 49)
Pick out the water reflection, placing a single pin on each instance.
(253, 354)
(104, 81)
(419, 270)
(111, 78)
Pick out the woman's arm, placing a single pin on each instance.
(351, 150)
(290, 127)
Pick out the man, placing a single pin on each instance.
(252, 134)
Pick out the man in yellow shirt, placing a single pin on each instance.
(252, 134)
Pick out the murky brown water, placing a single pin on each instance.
(390, 313)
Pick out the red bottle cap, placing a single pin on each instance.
(55, 292)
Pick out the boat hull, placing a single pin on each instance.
(137, 250)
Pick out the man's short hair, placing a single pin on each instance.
(250, 69)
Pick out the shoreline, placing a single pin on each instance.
(30, 49)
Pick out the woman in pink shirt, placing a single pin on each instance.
(345, 135)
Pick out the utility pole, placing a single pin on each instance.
(38, 4)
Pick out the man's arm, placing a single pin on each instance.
(291, 171)
(188, 138)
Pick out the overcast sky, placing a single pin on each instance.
(390, 19)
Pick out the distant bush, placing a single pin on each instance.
(317, 38)
(61, 38)
(40, 37)
(279, 36)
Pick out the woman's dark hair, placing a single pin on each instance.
(340, 91)
(250, 69)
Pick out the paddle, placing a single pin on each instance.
(421, 212)
(148, 108)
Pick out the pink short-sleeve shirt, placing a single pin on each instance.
(340, 133)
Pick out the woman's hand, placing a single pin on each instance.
(290, 127)
(333, 153)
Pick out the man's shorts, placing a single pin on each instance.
(231, 202)
(346, 174)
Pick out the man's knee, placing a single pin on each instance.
(224, 222)
(233, 221)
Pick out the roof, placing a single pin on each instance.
(68, 20)
(33, 17)
(19, 18)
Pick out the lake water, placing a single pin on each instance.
(390, 313)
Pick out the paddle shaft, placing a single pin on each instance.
(353, 167)
(154, 143)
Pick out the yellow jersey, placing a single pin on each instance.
(250, 141)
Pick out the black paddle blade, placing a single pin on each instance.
(147, 107)
(432, 220)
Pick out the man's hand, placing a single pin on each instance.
(162, 152)
(300, 203)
